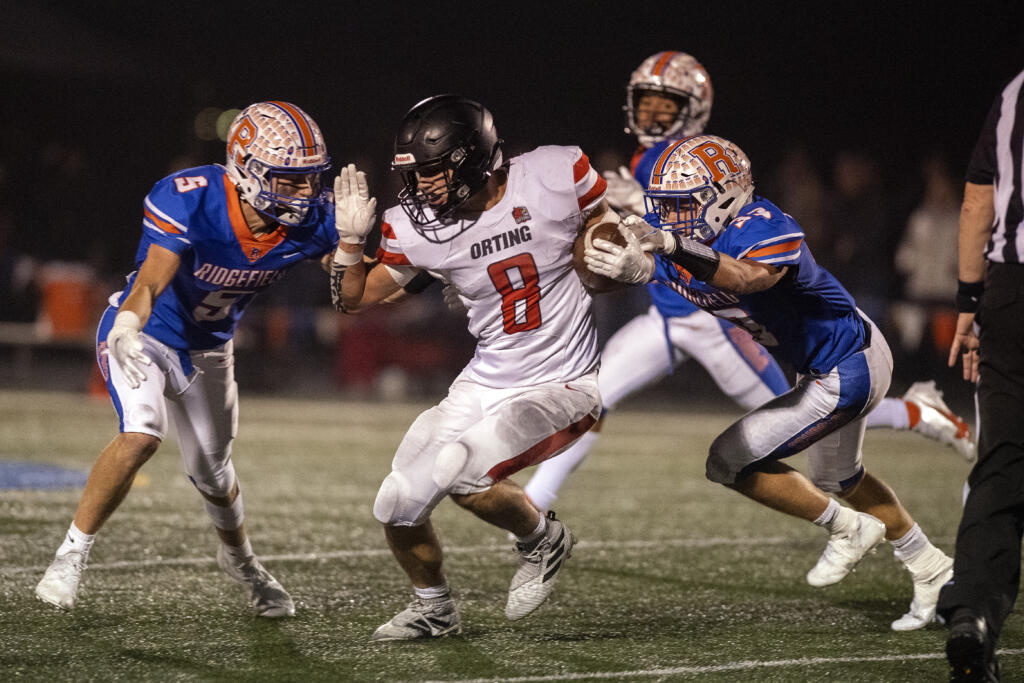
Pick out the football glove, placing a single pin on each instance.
(650, 237)
(124, 344)
(624, 193)
(629, 264)
(354, 210)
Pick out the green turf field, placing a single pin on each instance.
(674, 578)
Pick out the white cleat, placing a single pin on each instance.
(59, 585)
(538, 570)
(422, 619)
(845, 549)
(938, 421)
(930, 574)
(268, 597)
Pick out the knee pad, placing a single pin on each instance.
(213, 481)
(451, 461)
(393, 490)
(227, 517)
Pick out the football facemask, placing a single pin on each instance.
(274, 150)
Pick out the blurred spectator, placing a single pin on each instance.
(927, 258)
(402, 351)
(857, 216)
(19, 294)
(798, 186)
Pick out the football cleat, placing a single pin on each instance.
(968, 651)
(930, 573)
(845, 549)
(938, 422)
(538, 569)
(268, 598)
(59, 585)
(422, 619)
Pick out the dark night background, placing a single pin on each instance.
(99, 97)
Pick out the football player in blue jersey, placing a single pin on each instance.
(212, 237)
(669, 97)
(741, 258)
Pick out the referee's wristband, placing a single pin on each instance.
(968, 296)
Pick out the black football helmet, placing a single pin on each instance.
(446, 134)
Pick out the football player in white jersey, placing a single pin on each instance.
(213, 236)
(669, 96)
(743, 259)
(500, 235)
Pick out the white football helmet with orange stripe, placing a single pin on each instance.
(680, 77)
(271, 139)
(698, 185)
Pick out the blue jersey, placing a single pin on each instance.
(807, 318)
(668, 303)
(196, 213)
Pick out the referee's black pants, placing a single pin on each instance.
(986, 569)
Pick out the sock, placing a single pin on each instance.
(829, 515)
(911, 544)
(913, 414)
(552, 473)
(535, 535)
(239, 554)
(77, 541)
(893, 413)
(434, 592)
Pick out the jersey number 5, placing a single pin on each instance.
(189, 183)
(216, 305)
(520, 298)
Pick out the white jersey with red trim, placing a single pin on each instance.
(512, 268)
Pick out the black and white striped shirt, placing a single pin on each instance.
(998, 160)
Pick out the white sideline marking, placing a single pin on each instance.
(716, 668)
(384, 552)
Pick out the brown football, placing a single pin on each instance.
(597, 284)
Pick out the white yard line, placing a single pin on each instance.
(384, 552)
(716, 668)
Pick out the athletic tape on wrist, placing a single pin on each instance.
(699, 259)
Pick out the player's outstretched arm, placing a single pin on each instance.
(362, 287)
(745, 276)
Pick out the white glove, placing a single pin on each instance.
(629, 264)
(624, 192)
(354, 211)
(650, 237)
(452, 300)
(124, 344)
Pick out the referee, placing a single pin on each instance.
(990, 342)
